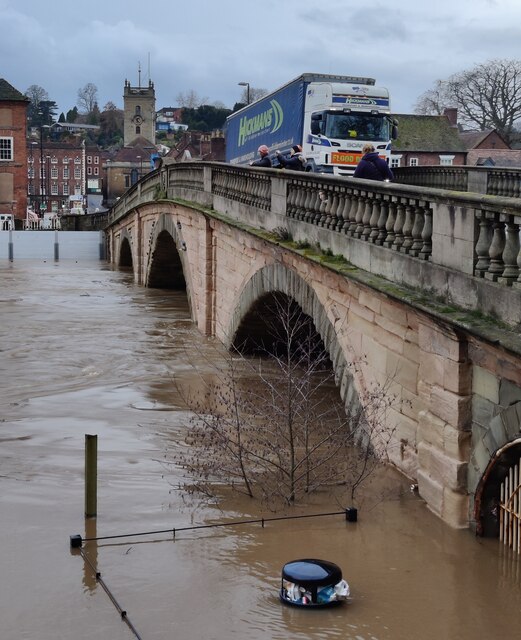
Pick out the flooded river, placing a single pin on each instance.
(85, 351)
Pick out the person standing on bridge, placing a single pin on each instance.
(296, 161)
(264, 160)
(372, 167)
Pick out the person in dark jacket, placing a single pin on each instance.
(371, 166)
(264, 160)
(296, 161)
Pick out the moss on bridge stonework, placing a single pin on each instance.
(488, 328)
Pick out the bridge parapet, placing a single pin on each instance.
(461, 247)
(493, 181)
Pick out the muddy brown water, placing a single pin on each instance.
(84, 350)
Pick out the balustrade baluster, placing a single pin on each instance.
(348, 201)
(417, 228)
(360, 215)
(353, 212)
(497, 246)
(382, 221)
(291, 199)
(340, 211)
(331, 220)
(366, 218)
(407, 228)
(483, 243)
(373, 221)
(510, 253)
(426, 250)
(322, 208)
(389, 227)
(312, 205)
(299, 199)
(307, 202)
(398, 226)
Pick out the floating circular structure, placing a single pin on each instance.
(312, 583)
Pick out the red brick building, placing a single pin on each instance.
(13, 151)
(61, 174)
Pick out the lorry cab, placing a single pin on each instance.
(340, 119)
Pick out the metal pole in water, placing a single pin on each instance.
(56, 247)
(10, 245)
(91, 475)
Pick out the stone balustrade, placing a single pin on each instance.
(493, 181)
(461, 247)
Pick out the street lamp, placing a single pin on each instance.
(247, 85)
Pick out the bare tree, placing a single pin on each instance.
(434, 101)
(190, 100)
(487, 96)
(36, 94)
(277, 429)
(87, 98)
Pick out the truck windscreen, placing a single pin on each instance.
(356, 126)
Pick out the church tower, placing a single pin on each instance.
(139, 106)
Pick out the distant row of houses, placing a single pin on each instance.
(438, 140)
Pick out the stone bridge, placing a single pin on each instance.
(419, 286)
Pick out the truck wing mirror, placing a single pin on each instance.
(394, 132)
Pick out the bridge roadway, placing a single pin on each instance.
(413, 287)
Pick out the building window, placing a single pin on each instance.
(128, 182)
(96, 159)
(30, 173)
(138, 110)
(96, 171)
(395, 161)
(54, 173)
(89, 159)
(66, 160)
(65, 173)
(77, 173)
(446, 161)
(54, 188)
(65, 189)
(413, 162)
(77, 160)
(6, 149)
(77, 189)
(89, 171)
(138, 130)
(54, 160)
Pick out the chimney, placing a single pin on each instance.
(451, 113)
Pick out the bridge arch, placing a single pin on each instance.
(255, 298)
(504, 438)
(125, 258)
(167, 267)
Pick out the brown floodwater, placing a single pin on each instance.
(85, 351)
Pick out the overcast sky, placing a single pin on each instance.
(210, 45)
